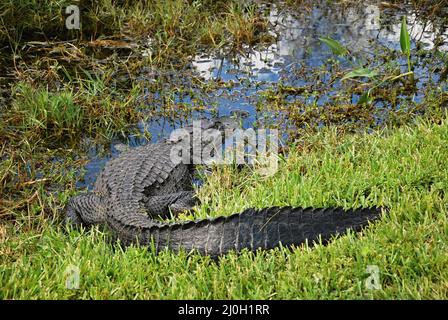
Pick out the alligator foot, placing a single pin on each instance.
(161, 206)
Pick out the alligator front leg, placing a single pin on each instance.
(85, 209)
(161, 206)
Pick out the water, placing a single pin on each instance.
(297, 59)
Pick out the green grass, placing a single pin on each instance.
(54, 89)
(174, 29)
(82, 106)
(404, 169)
(41, 110)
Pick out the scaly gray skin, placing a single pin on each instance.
(143, 183)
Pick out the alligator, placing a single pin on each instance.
(137, 190)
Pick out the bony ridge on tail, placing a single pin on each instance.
(144, 183)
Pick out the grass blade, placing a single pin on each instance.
(360, 72)
(405, 40)
(365, 99)
(335, 46)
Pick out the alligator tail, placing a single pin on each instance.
(258, 229)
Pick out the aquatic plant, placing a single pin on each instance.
(364, 72)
